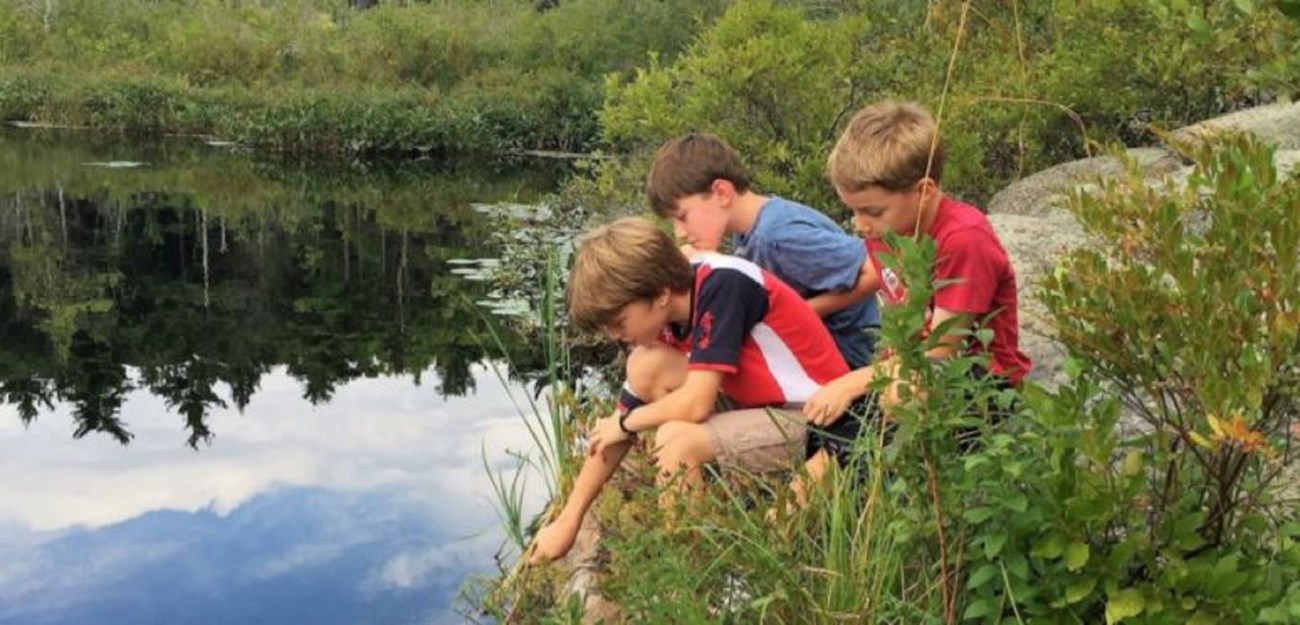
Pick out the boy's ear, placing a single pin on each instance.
(664, 298)
(723, 189)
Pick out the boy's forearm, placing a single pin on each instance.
(693, 401)
(860, 379)
(828, 303)
(670, 408)
(835, 301)
(595, 472)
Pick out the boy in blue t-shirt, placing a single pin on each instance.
(698, 182)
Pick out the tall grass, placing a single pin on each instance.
(553, 428)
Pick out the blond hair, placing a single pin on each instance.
(886, 144)
(620, 263)
(688, 165)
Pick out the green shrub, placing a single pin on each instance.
(769, 80)
(1032, 85)
(1155, 486)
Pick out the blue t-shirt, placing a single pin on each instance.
(813, 255)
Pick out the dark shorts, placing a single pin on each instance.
(866, 418)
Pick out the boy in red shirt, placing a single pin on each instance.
(886, 169)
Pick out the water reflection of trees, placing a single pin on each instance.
(201, 272)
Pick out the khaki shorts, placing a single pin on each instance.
(758, 440)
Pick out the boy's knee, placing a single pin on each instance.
(681, 445)
(654, 371)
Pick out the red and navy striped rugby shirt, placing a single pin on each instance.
(749, 325)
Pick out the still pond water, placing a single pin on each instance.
(242, 391)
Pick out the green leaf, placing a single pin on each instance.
(1245, 6)
(1079, 589)
(993, 545)
(1017, 565)
(980, 608)
(1290, 8)
(1049, 548)
(1123, 604)
(1132, 466)
(1201, 618)
(982, 576)
(1076, 555)
(1016, 501)
(977, 515)
(1275, 614)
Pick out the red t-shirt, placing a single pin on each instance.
(746, 323)
(983, 282)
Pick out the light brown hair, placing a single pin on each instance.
(688, 165)
(620, 263)
(886, 144)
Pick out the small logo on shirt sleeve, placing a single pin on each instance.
(705, 330)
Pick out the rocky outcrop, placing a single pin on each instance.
(583, 566)
(1278, 124)
(1035, 228)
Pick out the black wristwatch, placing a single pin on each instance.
(622, 423)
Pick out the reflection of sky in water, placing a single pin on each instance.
(371, 509)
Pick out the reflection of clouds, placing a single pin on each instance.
(416, 567)
(36, 582)
(374, 432)
(377, 502)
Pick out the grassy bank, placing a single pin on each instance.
(313, 75)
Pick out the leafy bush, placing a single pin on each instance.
(1155, 487)
(1032, 84)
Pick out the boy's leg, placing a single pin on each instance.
(834, 444)
(652, 372)
(754, 440)
(757, 440)
(682, 447)
(814, 468)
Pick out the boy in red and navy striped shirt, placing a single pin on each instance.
(718, 326)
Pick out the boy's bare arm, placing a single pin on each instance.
(556, 538)
(693, 401)
(866, 286)
(830, 401)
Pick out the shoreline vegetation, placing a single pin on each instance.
(1181, 318)
(316, 76)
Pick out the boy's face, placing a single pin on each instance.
(640, 322)
(701, 220)
(877, 209)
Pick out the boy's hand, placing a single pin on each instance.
(604, 433)
(552, 542)
(828, 403)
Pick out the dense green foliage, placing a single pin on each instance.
(1033, 83)
(483, 77)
